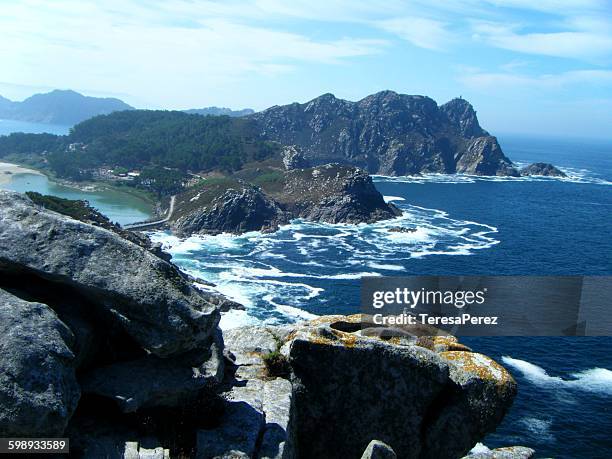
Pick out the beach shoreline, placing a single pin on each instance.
(8, 170)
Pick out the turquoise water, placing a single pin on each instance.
(9, 126)
(122, 208)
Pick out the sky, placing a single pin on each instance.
(528, 66)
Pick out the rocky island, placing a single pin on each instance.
(331, 193)
(109, 344)
(388, 134)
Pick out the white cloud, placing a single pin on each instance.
(128, 48)
(590, 41)
(501, 81)
(422, 32)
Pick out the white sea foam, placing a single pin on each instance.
(574, 175)
(539, 428)
(393, 198)
(598, 380)
(275, 275)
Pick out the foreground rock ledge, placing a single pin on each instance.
(148, 296)
(345, 389)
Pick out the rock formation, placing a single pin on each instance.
(388, 133)
(331, 193)
(545, 169)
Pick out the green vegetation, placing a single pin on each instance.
(162, 181)
(20, 143)
(79, 210)
(276, 364)
(136, 139)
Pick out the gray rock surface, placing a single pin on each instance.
(378, 450)
(545, 169)
(508, 452)
(483, 156)
(155, 305)
(155, 382)
(420, 402)
(257, 422)
(334, 193)
(38, 387)
(330, 193)
(234, 211)
(387, 133)
(293, 158)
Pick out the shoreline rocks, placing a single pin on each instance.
(331, 193)
(544, 169)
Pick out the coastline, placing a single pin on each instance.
(8, 170)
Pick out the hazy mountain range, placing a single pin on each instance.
(67, 107)
(64, 107)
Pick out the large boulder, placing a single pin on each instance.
(38, 387)
(422, 403)
(153, 302)
(155, 382)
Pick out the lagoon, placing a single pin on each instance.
(120, 207)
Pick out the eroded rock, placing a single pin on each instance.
(38, 387)
(148, 296)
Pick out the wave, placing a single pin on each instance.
(574, 175)
(304, 265)
(598, 380)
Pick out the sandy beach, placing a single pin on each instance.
(7, 170)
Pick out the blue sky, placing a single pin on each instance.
(528, 66)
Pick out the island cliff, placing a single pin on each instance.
(388, 133)
(109, 344)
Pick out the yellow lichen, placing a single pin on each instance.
(479, 365)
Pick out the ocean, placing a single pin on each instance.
(464, 225)
(10, 126)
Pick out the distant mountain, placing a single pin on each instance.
(59, 107)
(217, 111)
(387, 133)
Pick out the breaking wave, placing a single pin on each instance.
(574, 175)
(291, 274)
(597, 380)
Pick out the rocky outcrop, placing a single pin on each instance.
(388, 133)
(334, 194)
(483, 156)
(331, 193)
(407, 395)
(378, 450)
(234, 211)
(38, 387)
(293, 158)
(544, 169)
(415, 394)
(124, 283)
(508, 452)
(90, 314)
